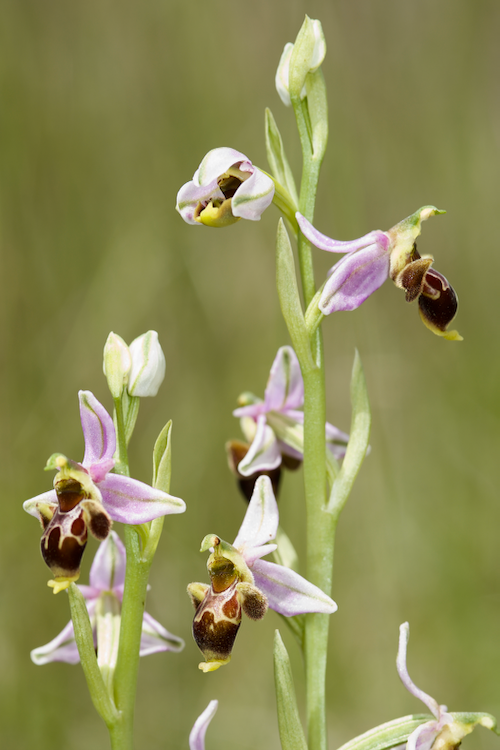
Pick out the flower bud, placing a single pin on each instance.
(299, 59)
(116, 363)
(148, 365)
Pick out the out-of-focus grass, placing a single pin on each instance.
(107, 108)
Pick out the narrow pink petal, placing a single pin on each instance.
(216, 163)
(264, 453)
(253, 196)
(197, 735)
(98, 430)
(354, 278)
(61, 648)
(431, 703)
(288, 593)
(336, 440)
(133, 502)
(340, 246)
(261, 519)
(108, 568)
(285, 387)
(252, 410)
(155, 638)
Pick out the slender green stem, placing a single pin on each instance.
(121, 460)
(134, 598)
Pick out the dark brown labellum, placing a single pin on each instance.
(438, 302)
(216, 623)
(64, 541)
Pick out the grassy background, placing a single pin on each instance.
(107, 108)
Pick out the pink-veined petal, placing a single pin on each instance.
(261, 519)
(354, 279)
(264, 453)
(197, 735)
(130, 501)
(156, 638)
(216, 163)
(253, 196)
(288, 593)
(422, 738)
(98, 432)
(252, 410)
(340, 246)
(63, 647)
(108, 568)
(285, 387)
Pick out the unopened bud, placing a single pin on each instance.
(116, 363)
(148, 365)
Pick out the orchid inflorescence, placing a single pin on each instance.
(287, 428)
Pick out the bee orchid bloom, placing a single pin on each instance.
(446, 730)
(87, 497)
(274, 426)
(225, 188)
(377, 256)
(107, 578)
(241, 581)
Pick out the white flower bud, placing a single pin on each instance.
(116, 363)
(148, 365)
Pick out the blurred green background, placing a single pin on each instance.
(107, 109)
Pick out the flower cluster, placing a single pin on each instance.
(104, 596)
(226, 187)
(87, 497)
(377, 256)
(242, 582)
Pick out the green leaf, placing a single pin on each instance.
(358, 440)
(162, 459)
(290, 727)
(288, 294)
(276, 157)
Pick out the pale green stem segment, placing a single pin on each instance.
(290, 728)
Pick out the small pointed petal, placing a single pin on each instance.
(216, 163)
(108, 568)
(288, 593)
(261, 519)
(282, 74)
(253, 196)
(432, 705)
(285, 387)
(339, 246)
(156, 638)
(98, 431)
(133, 502)
(336, 440)
(42, 506)
(354, 279)
(197, 735)
(264, 453)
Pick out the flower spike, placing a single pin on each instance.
(87, 497)
(241, 581)
(376, 256)
(225, 188)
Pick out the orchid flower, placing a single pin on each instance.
(226, 187)
(197, 735)
(446, 730)
(317, 56)
(378, 255)
(241, 581)
(274, 426)
(87, 497)
(104, 597)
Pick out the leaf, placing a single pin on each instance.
(290, 727)
(276, 157)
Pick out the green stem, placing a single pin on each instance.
(320, 523)
(134, 598)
